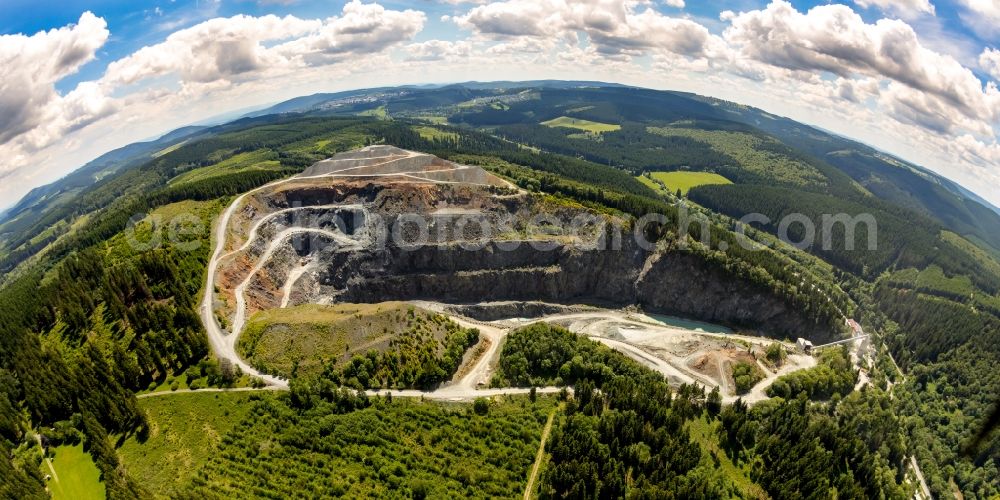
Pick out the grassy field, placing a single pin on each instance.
(345, 140)
(242, 162)
(181, 382)
(735, 478)
(406, 448)
(76, 476)
(935, 280)
(754, 153)
(434, 119)
(185, 431)
(301, 340)
(381, 112)
(682, 180)
(241, 445)
(484, 101)
(433, 133)
(585, 125)
(184, 214)
(989, 259)
(169, 149)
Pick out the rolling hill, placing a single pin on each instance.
(87, 321)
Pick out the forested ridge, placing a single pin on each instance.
(624, 434)
(78, 342)
(947, 350)
(86, 323)
(680, 137)
(90, 321)
(902, 240)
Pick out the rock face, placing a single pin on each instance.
(532, 253)
(682, 285)
(491, 311)
(673, 283)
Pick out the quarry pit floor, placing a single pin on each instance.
(683, 356)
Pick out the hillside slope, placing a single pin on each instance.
(88, 321)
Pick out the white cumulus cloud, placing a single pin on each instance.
(835, 39)
(211, 60)
(360, 29)
(33, 64)
(905, 8)
(216, 49)
(615, 27)
(33, 115)
(989, 60)
(983, 16)
(437, 50)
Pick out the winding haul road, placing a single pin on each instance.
(224, 344)
(478, 375)
(638, 353)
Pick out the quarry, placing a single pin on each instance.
(384, 224)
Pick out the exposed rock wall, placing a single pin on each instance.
(502, 270)
(492, 311)
(681, 284)
(673, 283)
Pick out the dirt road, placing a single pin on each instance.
(478, 375)
(453, 393)
(224, 344)
(593, 324)
(529, 489)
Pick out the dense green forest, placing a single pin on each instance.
(745, 376)
(631, 148)
(90, 321)
(106, 326)
(280, 445)
(415, 360)
(947, 350)
(942, 404)
(623, 433)
(833, 376)
(378, 448)
(86, 322)
(901, 240)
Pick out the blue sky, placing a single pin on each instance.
(135, 24)
(834, 66)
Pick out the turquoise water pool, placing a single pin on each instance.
(689, 324)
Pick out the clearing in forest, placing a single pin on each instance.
(74, 474)
(302, 340)
(585, 125)
(682, 180)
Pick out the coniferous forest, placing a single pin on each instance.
(87, 323)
